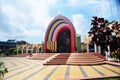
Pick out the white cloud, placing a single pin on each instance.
(26, 18)
(40, 14)
(79, 23)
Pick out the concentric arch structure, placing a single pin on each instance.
(60, 36)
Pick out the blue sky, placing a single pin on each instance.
(28, 19)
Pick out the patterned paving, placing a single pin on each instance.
(25, 69)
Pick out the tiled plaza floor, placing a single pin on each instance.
(25, 69)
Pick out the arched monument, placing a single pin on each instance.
(60, 36)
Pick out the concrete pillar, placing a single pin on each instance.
(78, 43)
(17, 51)
(55, 46)
(26, 50)
(31, 50)
(22, 50)
(108, 49)
(88, 42)
(37, 50)
(87, 47)
(99, 49)
(95, 47)
(42, 47)
(108, 53)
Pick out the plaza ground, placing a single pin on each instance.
(27, 69)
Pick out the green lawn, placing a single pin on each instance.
(113, 78)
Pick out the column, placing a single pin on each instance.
(99, 49)
(108, 52)
(55, 46)
(95, 47)
(22, 50)
(87, 47)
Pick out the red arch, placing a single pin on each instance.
(72, 36)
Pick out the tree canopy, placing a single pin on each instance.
(103, 35)
(22, 42)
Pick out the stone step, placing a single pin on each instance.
(22, 55)
(76, 59)
(82, 61)
(39, 56)
(85, 63)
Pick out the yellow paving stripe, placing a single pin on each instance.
(18, 64)
(35, 61)
(90, 72)
(8, 64)
(29, 61)
(42, 75)
(116, 69)
(16, 71)
(59, 73)
(25, 62)
(14, 68)
(26, 69)
(105, 71)
(75, 72)
(25, 73)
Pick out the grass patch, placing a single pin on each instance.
(112, 78)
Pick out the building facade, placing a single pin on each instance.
(29, 48)
(6, 45)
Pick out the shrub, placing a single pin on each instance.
(116, 54)
(3, 69)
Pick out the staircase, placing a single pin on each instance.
(40, 56)
(84, 59)
(98, 55)
(60, 59)
(21, 55)
(75, 59)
